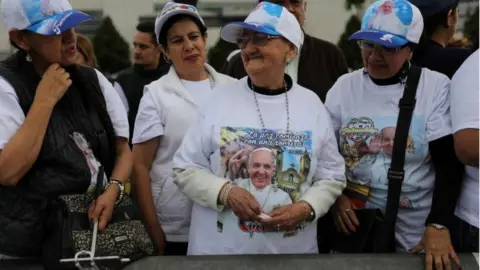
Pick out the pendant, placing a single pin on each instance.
(251, 234)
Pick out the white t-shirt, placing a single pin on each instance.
(148, 123)
(173, 208)
(364, 117)
(464, 112)
(229, 125)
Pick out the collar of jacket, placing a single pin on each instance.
(172, 83)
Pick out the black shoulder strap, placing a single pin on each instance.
(396, 173)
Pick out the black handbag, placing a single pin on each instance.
(376, 233)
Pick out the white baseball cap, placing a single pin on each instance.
(44, 17)
(391, 23)
(267, 18)
(171, 9)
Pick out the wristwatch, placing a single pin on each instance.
(437, 226)
(120, 187)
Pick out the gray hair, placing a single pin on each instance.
(262, 149)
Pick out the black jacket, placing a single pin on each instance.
(321, 64)
(60, 168)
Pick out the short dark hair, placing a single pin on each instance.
(162, 37)
(432, 22)
(148, 27)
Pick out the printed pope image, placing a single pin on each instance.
(270, 164)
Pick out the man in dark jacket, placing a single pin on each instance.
(147, 67)
(318, 64)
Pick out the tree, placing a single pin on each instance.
(470, 29)
(112, 51)
(350, 48)
(218, 53)
(190, 2)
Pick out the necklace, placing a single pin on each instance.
(258, 106)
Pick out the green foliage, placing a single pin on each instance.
(350, 48)
(470, 28)
(112, 51)
(353, 3)
(218, 53)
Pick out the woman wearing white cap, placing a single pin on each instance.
(364, 106)
(264, 110)
(59, 122)
(166, 110)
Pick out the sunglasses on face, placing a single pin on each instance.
(370, 46)
(256, 39)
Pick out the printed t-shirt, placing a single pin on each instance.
(364, 117)
(227, 130)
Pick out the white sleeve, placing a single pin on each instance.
(117, 112)
(148, 123)
(11, 113)
(329, 179)
(464, 95)
(121, 94)
(333, 106)
(192, 169)
(438, 118)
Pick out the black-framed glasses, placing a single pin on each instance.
(370, 46)
(257, 39)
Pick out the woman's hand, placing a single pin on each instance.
(344, 216)
(235, 162)
(287, 217)
(102, 208)
(438, 249)
(243, 204)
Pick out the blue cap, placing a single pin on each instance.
(391, 23)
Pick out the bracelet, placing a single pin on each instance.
(120, 186)
(308, 214)
(224, 193)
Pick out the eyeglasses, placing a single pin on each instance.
(257, 39)
(370, 46)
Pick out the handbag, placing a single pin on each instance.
(69, 230)
(376, 233)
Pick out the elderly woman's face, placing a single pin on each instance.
(262, 53)
(383, 63)
(186, 45)
(61, 49)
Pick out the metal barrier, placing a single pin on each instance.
(277, 262)
(296, 262)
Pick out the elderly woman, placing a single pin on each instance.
(166, 110)
(48, 145)
(244, 211)
(364, 107)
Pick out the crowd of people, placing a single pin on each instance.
(277, 153)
